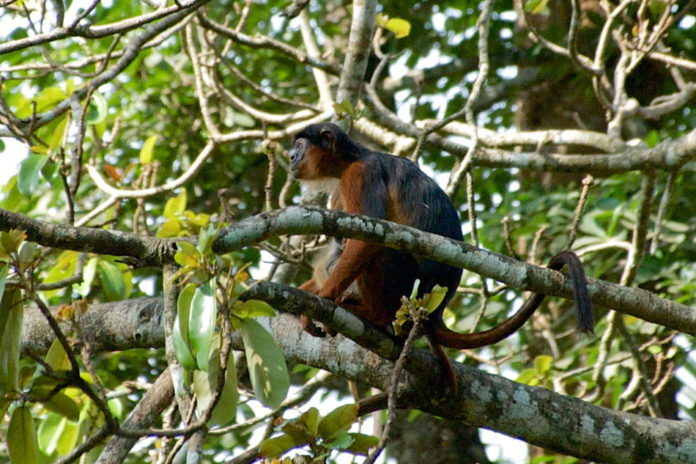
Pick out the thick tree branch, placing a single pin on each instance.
(516, 274)
(537, 415)
(147, 250)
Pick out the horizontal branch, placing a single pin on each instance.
(517, 274)
(536, 415)
(147, 250)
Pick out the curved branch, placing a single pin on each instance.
(95, 32)
(147, 250)
(516, 274)
(536, 415)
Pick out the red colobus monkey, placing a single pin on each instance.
(392, 188)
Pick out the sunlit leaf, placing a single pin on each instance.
(528, 377)
(180, 330)
(202, 323)
(170, 228)
(49, 432)
(267, 368)
(147, 156)
(97, 110)
(399, 26)
(175, 205)
(437, 294)
(58, 135)
(57, 358)
(542, 364)
(253, 308)
(89, 272)
(187, 255)
(537, 6)
(68, 438)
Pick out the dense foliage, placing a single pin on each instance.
(569, 125)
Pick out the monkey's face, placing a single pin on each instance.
(306, 160)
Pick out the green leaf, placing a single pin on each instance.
(4, 269)
(49, 433)
(12, 318)
(205, 383)
(146, 156)
(399, 26)
(339, 441)
(362, 443)
(28, 178)
(62, 404)
(275, 447)
(528, 377)
(88, 274)
(542, 364)
(226, 408)
(202, 323)
(187, 255)
(267, 368)
(56, 137)
(310, 419)
(175, 205)
(26, 255)
(112, 281)
(170, 228)
(205, 240)
(57, 358)
(203, 388)
(21, 437)
(11, 240)
(437, 294)
(97, 110)
(68, 438)
(537, 6)
(253, 308)
(338, 421)
(180, 331)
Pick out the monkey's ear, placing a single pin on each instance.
(328, 138)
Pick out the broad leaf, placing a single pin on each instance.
(21, 437)
(202, 323)
(267, 368)
(337, 421)
(62, 404)
(180, 331)
(275, 447)
(29, 170)
(112, 281)
(12, 317)
(175, 205)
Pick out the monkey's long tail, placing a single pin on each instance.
(446, 337)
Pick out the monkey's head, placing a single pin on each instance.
(320, 151)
